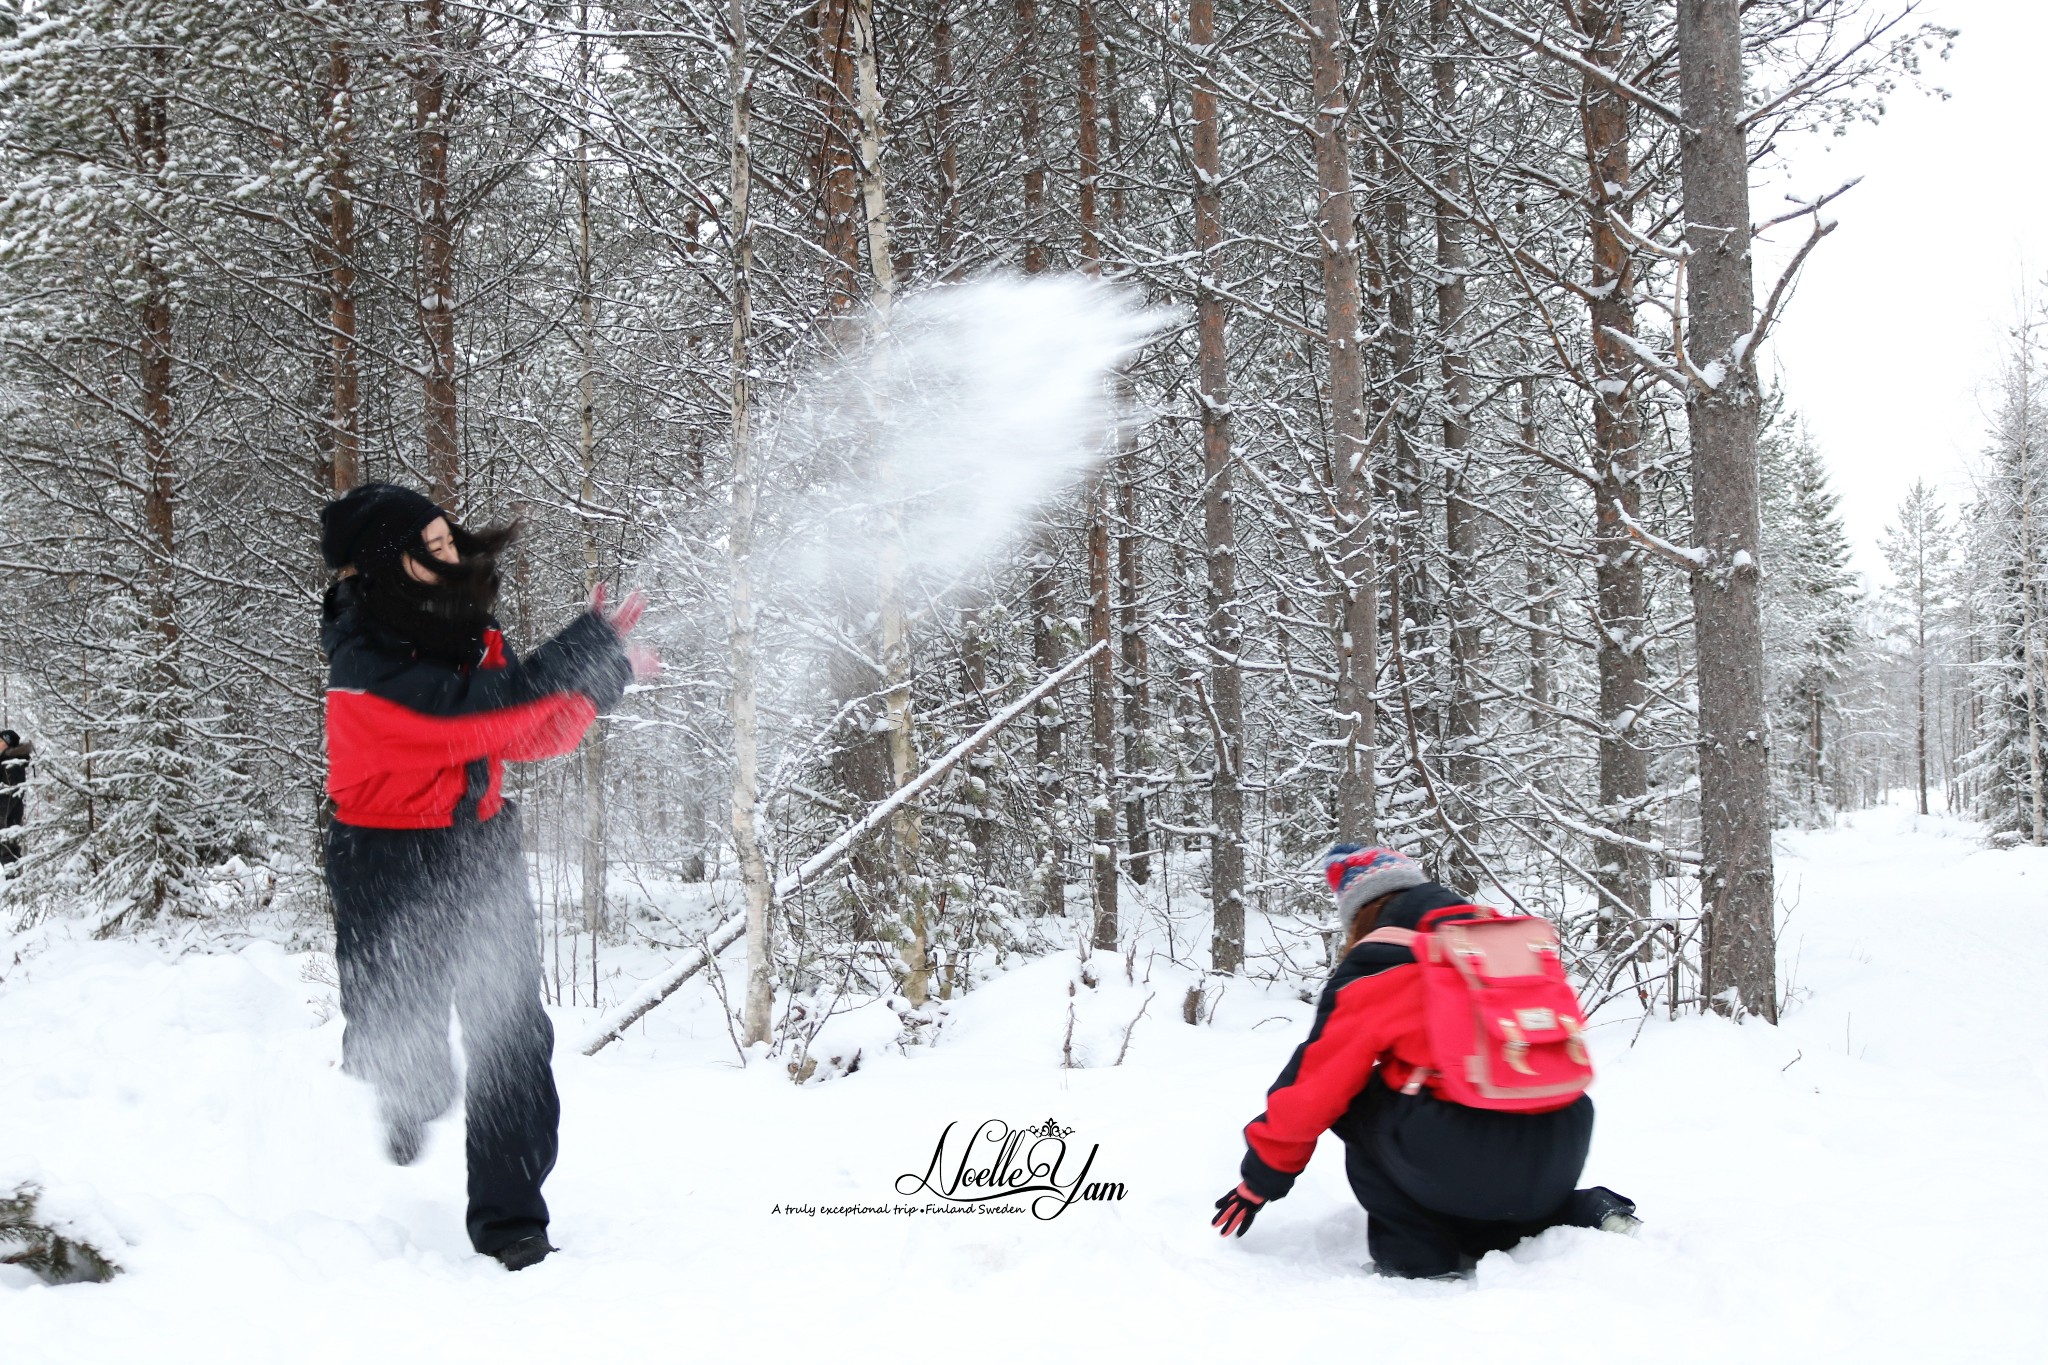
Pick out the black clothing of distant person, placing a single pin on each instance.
(14, 757)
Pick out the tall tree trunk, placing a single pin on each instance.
(1048, 722)
(1219, 512)
(1536, 588)
(1404, 373)
(1736, 874)
(436, 253)
(1134, 685)
(2030, 612)
(948, 236)
(836, 166)
(757, 1005)
(159, 489)
(1622, 866)
(1357, 589)
(593, 754)
(1137, 698)
(906, 826)
(1102, 698)
(1032, 132)
(1462, 525)
(1920, 662)
(1102, 719)
(335, 257)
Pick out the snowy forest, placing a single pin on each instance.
(1447, 504)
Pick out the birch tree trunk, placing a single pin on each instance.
(905, 828)
(1736, 875)
(1357, 589)
(1219, 512)
(742, 702)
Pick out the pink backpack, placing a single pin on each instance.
(1505, 1028)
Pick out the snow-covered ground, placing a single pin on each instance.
(1863, 1183)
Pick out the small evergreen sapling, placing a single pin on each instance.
(41, 1249)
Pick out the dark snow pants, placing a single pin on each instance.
(1443, 1185)
(426, 919)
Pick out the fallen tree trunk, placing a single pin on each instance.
(731, 931)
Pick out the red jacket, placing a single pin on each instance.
(411, 742)
(1367, 1023)
(1369, 1020)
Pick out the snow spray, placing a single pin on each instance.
(943, 437)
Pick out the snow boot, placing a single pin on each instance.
(529, 1250)
(403, 1139)
(1602, 1208)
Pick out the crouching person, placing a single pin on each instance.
(1464, 1130)
(425, 705)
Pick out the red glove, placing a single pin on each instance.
(1235, 1211)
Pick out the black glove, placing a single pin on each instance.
(1235, 1211)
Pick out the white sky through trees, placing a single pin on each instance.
(1892, 345)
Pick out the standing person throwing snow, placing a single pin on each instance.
(425, 705)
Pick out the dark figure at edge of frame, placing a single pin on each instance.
(15, 753)
(425, 705)
(1442, 1183)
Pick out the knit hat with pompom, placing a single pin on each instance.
(1357, 874)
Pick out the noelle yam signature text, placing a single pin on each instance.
(998, 1161)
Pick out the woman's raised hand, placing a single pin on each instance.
(622, 618)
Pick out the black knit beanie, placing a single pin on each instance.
(373, 524)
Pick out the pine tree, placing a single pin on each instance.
(1917, 550)
(1810, 611)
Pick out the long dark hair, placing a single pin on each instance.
(445, 618)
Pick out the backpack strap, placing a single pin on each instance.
(1400, 938)
(1452, 913)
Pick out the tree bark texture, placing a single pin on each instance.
(742, 700)
(1463, 528)
(335, 258)
(436, 254)
(913, 930)
(1356, 589)
(1403, 386)
(1136, 690)
(1722, 404)
(834, 169)
(1031, 108)
(1623, 867)
(1219, 512)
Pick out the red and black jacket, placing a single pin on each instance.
(414, 744)
(1369, 1021)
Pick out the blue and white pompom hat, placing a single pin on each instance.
(1357, 875)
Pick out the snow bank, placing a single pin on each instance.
(1855, 1185)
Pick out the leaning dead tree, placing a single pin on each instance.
(824, 859)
